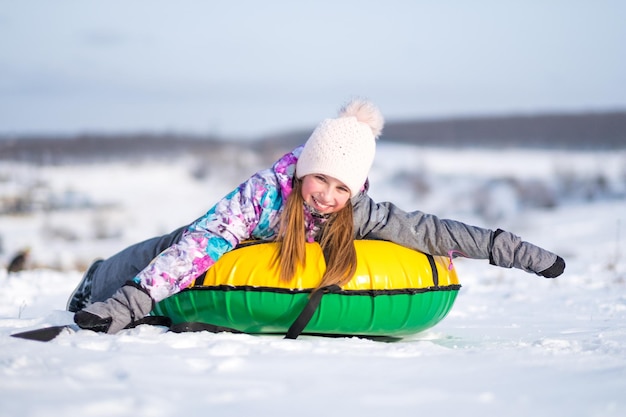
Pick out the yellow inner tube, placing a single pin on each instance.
(381, 265)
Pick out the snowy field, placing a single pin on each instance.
(514, 344)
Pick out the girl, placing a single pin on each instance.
(317, 192)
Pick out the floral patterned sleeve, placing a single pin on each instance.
(248, 211)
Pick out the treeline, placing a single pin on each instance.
(556, 131)
(575, 131)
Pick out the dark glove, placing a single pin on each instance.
(555, 270)
(128, 304)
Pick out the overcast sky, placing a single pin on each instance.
(250, 68)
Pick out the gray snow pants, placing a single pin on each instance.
(113, 272)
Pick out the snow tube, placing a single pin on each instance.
(395, 292)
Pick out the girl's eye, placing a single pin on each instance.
(320, 178)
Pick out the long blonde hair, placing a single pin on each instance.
(337, 241)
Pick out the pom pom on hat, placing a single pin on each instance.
(365, 112)
(344, 147)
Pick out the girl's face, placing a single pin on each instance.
(324, 193)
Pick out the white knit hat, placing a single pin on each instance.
(344, 147)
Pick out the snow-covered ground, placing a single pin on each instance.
(514, 344)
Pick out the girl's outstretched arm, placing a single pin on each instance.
(427, 233)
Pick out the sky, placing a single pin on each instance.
(245, 69)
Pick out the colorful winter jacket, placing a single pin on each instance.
(253, 209)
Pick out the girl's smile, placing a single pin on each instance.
(324, 193)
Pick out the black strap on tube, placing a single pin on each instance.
(307, 312)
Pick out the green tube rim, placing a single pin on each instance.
(262, 310)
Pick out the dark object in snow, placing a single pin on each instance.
(18, 263)
(44, 334)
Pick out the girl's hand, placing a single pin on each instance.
(555, 270)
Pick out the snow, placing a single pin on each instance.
(514, 344)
